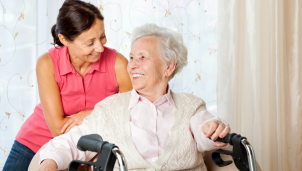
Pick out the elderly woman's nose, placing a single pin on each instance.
(134, 63)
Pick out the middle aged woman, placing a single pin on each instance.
(155, 128)
(72, 77)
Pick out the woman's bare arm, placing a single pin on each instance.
(50, 95)
(122, 76)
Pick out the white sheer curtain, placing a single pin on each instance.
(18, 95)
(25, 35)
(259, 83)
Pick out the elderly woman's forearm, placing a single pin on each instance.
(196, 123)
(63, 149)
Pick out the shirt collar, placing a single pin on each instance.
(66, 66)
(135, 98)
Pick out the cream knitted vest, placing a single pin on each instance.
(110, 119)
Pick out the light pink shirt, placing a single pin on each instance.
(150, 125)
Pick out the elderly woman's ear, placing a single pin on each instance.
(170, 69)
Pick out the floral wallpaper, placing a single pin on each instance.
(25, 35)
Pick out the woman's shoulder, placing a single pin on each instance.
(44, 61)
(109, 49)
(114, 53)
(115, 98)
(109, 52)
(44, 67)
(57, 51)
(183, 96)
(120, 60)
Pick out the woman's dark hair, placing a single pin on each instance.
(75, 16)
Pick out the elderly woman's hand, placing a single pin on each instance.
(48, 165)
(75, 120)
(214, 129)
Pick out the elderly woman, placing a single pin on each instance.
(154, 127)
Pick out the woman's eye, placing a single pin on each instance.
(90, 44)
(143, 57)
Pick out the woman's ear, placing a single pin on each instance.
(170, 69)
(63, 40)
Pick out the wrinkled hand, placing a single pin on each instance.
(48, 165)
(75, 120)
(214, 129)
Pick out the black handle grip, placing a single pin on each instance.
(92, 142)
(225, 139)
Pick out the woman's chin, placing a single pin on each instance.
(94, 58)
(137, 87)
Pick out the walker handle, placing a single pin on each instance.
(226, 139)
(92, 142)
(108, 154)
(242, 154)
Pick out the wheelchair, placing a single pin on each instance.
(243, 154)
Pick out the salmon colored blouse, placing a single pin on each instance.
(77, 94)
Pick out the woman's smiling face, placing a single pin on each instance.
(146, 67)
(88, 46)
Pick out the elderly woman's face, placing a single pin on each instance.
(146, 68)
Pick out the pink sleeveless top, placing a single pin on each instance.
(77, 94)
